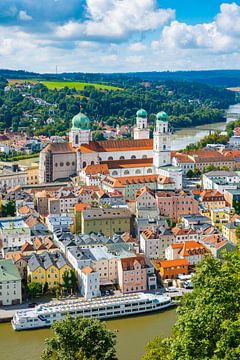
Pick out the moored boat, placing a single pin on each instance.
(101, 308)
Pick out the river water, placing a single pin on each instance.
(133, 334)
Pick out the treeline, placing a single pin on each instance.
(187, 104)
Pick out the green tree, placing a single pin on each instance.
(9, 209)
(34, 288)
(207, 327)
(70, 281)
(80, 339)
(190, 173)
(45, 288)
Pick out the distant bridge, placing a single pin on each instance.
(209, 130)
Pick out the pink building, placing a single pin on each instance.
(174, 204)
(132, 274)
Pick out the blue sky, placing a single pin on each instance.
(119, 35)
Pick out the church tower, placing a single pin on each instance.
(141, 130)
(80, 132)
(161, 141)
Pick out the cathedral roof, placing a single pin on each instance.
(141, 113)
(128, 163)
(162, 116)
(59, 148)
(117, 145)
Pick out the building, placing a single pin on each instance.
(170, 269)
(174, 204)
(138, 156)
(154, 243)
(14, 232)
(229, 231)
(10, 179)
(89, 283)
(106, 221)
(192, 251)
(146, 203)
(216, 244)
(221, 216)
(10, 283)
(220, 180)
(184, 234)
(132, 274)
(48, 268)
(232, 197)
(209, 199)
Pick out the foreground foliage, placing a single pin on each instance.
(80, 339)
(208, 325)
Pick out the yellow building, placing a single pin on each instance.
(47, 268)
(106, 221)
(77, 219)
(221, 216)
(229, 231)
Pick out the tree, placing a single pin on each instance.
(70, 280)
(207, 327)
(9, 209)
(34, 288)
(80, 339)
(45, 288)
(190, 173)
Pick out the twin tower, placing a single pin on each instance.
(161, 136)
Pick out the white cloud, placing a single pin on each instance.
(116, 20)
(138, 46)
(221, 35)
(135, 59)
(24, 16)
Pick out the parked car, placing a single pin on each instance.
(171, 289)
(32, 305)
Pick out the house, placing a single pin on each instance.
(13, 232)
(216, 243)
(132, 274)
(106, 221)
(232, 197)
(89, 283)
(146, 203)
(10, 283)
(170, 269)
(194, 220)
(193, 251)
(174, 204)
(209, 199)
(220, 180)
(184, 234)
(221, 216)
(229, 231)
(154, 243)
(77, 219)
(47, 268)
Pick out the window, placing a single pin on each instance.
(110, 158)
(138, 171)
(126, 172)
(133, 157)
(61, 164)
(122, 158)
(149, 171)
(84, 164)
(68, 163)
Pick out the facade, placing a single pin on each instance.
(192, 251)
(146, 203)
(106, 221)
(170, 269)
(10, 179)
(154, 243)
(221, 216)
(14, 232)
(174, 204)
(89, 283)
(48, 268)
(132, 274)
(10, 283)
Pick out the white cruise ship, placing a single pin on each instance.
(101, 308)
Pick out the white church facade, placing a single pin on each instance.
(138, 156)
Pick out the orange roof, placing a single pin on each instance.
(192, 248)
(169, 263)
(87, 270)
(128, 163)
(27, 247)
(144, 190)
(81, 206)
(23, 210)
(117, 145)
(142, 179)
(129, 262)
(209, 193)
(180, 231)
(96, 169)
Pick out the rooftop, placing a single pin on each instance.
(8, 271)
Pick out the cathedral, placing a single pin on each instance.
(132, 157)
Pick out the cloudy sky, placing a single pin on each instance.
(119, 35)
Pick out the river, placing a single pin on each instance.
(133, 334)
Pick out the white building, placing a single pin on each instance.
(10, 284)
(220, 180)
(14, 232)
(89, 283)
(192, 251)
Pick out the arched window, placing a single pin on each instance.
(149, 171)
(114, 173)
(110, 158)
(138, 171)
(76, 139)
(126, 172)
(92, 162)
(133, 157)
(61, 164)
(84, 164)
(68, 163)
(144, 156)
(121, 158)
(56, 164)
(164, 147)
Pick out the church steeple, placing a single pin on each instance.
(80, 132)
(161, 141)
(141, 130)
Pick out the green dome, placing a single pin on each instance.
(142, 113)
(80, 121)
(162, 116)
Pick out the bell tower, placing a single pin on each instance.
(161, 141)
(141, 130)
(80, 132)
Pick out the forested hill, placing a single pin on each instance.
(187, 103)
(223, 78)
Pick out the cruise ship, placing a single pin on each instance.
(100, 308)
